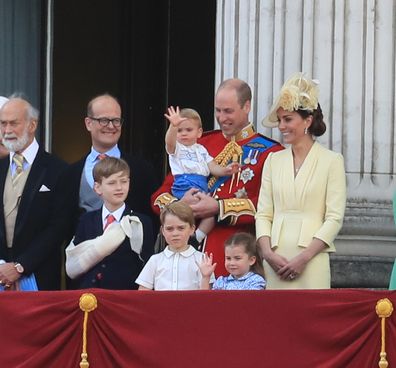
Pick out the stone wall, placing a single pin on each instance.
(349, 46)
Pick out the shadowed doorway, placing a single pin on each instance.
(146, 53)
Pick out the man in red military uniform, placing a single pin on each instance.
(233, 199)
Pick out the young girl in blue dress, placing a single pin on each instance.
(242, 261)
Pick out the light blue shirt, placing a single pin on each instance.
(29, 154)
(92, 160)
(250, 281)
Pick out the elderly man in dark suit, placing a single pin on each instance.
(31, 225)
(104, 123)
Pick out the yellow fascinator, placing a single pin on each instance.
(298, 93)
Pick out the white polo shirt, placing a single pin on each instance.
(170, 270)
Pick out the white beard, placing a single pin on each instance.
(19, 144)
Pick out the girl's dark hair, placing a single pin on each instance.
(318, 126)
(248, 241)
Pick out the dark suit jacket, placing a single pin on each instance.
(143, 183)
(40, 226)
(120, 269)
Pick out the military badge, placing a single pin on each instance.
(247, 175)
(241, 193)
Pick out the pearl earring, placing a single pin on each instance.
(306, 130)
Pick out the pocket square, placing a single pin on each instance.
(44, 189)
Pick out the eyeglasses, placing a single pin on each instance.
(117, 122)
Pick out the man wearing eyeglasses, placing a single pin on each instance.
(104, 123)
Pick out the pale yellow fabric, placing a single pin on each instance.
(293, 210)
(11, 197)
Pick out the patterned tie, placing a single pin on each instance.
(109, 219)
(101, 156)
(18, 161)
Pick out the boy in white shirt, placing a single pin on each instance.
(176, 267)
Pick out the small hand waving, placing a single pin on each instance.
(174, 117)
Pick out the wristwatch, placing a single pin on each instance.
(19, 267)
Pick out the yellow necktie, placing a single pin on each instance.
(18, 161)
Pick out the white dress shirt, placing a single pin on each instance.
(170, 270)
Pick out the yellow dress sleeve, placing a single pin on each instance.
(335, 202)
(265, 207)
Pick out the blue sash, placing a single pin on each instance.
(255, 147)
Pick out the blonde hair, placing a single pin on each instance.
(191, 114)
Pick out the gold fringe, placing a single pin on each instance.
(384, 309)
(88, 303)
(232, 151)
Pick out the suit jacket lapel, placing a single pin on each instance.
(32, 186)
(97, 223)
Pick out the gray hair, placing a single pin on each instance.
(31, 112)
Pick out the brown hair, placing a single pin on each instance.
(191, 114)
(180, 210)
(248, 241)
(109, 166)
(318, 126)
(242, 89)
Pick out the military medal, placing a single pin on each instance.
(247, 159)
(253, 161)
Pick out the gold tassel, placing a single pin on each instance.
(88, 303)
(224, 157)
(384, 309)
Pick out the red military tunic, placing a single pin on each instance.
(237, 194)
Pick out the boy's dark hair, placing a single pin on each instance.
(109, 166)
(248, 241)
(180, 210)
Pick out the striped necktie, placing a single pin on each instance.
(18, 161)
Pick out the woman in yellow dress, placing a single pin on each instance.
(303, 193)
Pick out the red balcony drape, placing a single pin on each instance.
(319, 329)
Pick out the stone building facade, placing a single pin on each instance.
(349, 46)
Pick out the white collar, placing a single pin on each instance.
(29, 153)
(186, 253)
(117, 213)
